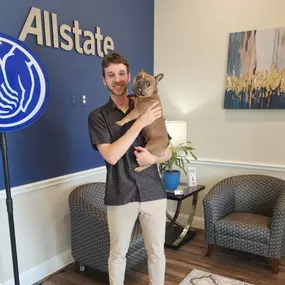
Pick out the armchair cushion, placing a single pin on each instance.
(245, 226)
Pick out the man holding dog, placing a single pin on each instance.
(129, 194)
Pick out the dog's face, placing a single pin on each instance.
(145, 84)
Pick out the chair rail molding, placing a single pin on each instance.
(102, 169)
(239, 164)
(53, 181)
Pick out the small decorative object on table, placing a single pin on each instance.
(175, 192)
(192, 177)
(171, 176)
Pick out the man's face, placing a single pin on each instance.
(117, 79)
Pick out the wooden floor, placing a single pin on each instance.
(233, 264)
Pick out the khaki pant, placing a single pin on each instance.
(121, 220)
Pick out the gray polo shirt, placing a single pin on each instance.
(123, 184)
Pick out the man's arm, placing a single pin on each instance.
(114, 151)
(144, 157)
(164, 158)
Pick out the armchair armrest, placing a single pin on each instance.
(218, 203)
(85, 215)
(89, 234)
(277, 228)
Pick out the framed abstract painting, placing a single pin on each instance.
(255, 76)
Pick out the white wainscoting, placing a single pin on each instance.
(55, 181)
(42, 217)
(46, 268)
(42, 226)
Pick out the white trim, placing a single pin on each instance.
(53, 181)
(58, 262)
(198, 222)
(82, 174)
(239, 164)
(43, 270)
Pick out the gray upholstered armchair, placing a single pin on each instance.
(247, 213)
(89, 230)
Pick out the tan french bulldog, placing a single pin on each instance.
(145, 93)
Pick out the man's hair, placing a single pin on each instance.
(116, 59)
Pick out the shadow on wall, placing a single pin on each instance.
(217, 133)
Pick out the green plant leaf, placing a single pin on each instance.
(194, 156)
(180, 154)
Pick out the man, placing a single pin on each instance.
(129, 194)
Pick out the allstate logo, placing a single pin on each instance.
(23, 85)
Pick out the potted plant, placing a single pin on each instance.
(170, 170)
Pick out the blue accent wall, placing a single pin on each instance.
(58, 142)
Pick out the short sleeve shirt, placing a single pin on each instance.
(123, 184)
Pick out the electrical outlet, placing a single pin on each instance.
(73, 99)
(83, 100)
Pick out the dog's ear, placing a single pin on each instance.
(158, 77)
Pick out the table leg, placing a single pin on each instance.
(177, 236)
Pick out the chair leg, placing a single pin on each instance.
(209, 250)
(77, 267)
(275, 267)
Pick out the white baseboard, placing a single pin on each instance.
(43, 270)
(198, 222)
(58, 262)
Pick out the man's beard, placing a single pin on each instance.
(112, 89)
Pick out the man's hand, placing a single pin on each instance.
(143, 156)
(114, 151)
(152, 114)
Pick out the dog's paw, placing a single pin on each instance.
(139, 169)
(119, 123)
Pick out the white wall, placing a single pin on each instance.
(191, 45)
(42, 224)
(191, 48)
